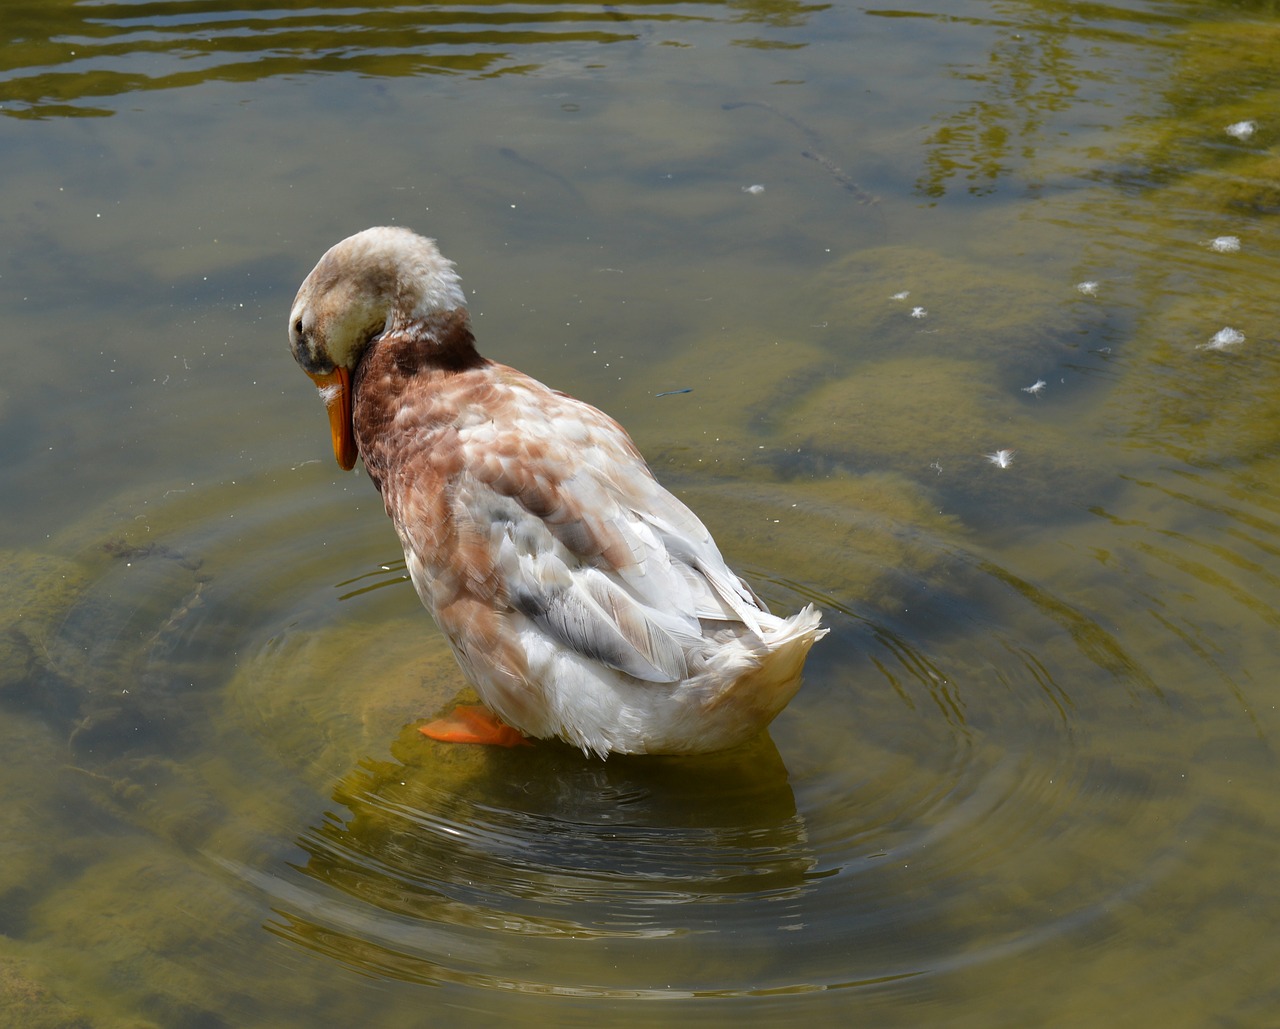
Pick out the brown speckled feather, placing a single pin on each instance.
(582, 599)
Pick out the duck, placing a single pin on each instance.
(582, 600)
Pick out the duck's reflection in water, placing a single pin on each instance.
(537, 869)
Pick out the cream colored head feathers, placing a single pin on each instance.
(377, 280)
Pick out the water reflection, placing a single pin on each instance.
(73, 58)
(1040, 65)
(535, 849)
(1039, 746)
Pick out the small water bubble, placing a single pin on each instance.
(1089, 288)
(1224, 244)
(1242, 129)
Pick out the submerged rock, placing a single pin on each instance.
(86, 643)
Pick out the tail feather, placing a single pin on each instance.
(750, 702)
(805, 625)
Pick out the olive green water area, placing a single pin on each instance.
(825, 262)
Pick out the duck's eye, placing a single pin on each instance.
(297, 328)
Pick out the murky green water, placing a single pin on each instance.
(1031, 778)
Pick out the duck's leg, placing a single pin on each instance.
(471, 723)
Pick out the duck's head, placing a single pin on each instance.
(371, 283)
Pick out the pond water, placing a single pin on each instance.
(825, 262)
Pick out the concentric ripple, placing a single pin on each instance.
(929, 800)
(976, 774)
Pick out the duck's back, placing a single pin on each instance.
(582, 598)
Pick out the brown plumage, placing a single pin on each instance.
(580, 597)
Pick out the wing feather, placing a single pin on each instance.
(594, 551)
(582, 610)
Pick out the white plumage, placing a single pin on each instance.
(581, 598)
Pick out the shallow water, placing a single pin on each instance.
(1031, 777)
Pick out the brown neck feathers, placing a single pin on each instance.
(442, 341)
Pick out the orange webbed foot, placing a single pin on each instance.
(471, 723)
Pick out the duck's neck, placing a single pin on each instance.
(441, 340)
(407, 388)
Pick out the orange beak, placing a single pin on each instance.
(335, 388)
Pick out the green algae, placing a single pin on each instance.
(1188, 183)
(1226, 75)
(69, 648)
(847, 531)
(27, 1002)
(324, 695)
(737, 382)
(831, 459)
(965, 307)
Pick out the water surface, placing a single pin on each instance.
(1030, 779)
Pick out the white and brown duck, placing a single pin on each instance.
(581, 599)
